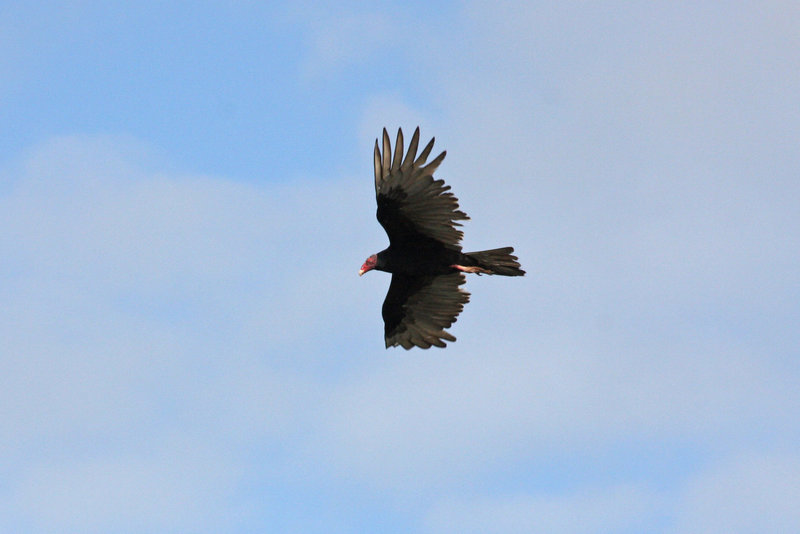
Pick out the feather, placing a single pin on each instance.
(411, 153)
(387, 155)
(424, 154)
(398, 152)
(378, 168)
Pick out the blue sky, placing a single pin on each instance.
(186, 196)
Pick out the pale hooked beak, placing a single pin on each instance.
(361, 271)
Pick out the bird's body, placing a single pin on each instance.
(424, 256)
(424, 259)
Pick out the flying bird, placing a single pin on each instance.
(420, 214)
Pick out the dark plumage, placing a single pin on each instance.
(420, 216)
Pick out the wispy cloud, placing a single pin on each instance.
(182, 351)
(147, 312)
(744, 493)
(616, 509)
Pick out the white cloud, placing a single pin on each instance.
(616, 509)
(341, 37)
(429, 419)
(174, 486)
(749, 493)
(648, 190)
(143, 307)
(392, 112)
(753, 492)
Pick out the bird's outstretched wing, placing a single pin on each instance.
(411, 203)
(417, 309)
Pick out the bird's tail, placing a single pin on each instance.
(497, 261)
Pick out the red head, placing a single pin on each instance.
(369, 264)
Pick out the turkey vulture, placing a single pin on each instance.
(424, 256)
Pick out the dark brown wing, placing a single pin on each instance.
(410, 202)
(417, 309)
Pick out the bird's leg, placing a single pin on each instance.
(475, 270)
